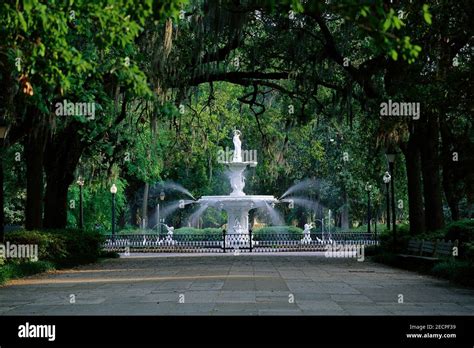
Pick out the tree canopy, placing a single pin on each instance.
(167, 83)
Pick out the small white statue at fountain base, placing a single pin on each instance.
(307, 234)
(169, 236)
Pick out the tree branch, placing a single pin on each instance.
(237, 77)
(359, 76)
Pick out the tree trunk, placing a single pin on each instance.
(345, 214)
(452, 198)
(415, 194)
(452, 173)
(133, 214)
(2, 214)
(34, 152)
(122, 220)
(61, 159)
(429, 147)
(56, 200)
(300, 216)
(145, 206)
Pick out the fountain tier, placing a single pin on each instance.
(237, 204)
(237, 208)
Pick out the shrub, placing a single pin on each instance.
(278, 233)
(381, 229)
(82, 246)
(462, 230)
(135, 231)
(469, 251)
(109, 254)
(461, 272)
(432, 235)
(21, 269)
(197, 234)
(63, 247)
(371, 250)
(50, 246)
(403, 236)
(56, 248)
(192, 230)
(386, 258)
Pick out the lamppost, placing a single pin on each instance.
(113, 191)
(162, 198)
(391, 164)
(386, 179)
(368, 188)
(158, 218)
(80, 182)
(3, 131)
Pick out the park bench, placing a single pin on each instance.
(428, 250)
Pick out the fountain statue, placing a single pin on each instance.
(237, 147)
(237, 204)
(237, 183)
(307, 234)
(169, 236)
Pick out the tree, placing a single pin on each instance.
(67, 50)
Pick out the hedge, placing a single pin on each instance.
(56, 249)
(278, 232)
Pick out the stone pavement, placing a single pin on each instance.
(226, 284)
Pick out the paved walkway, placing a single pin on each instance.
(227, 284)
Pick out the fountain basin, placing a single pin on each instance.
(241, 164)
(245, 198)
(237, 208)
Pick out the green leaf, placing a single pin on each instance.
(389, 20)
(394, 54)
(23, 24)
(427, 17)
(397, 22)
(27, 5)
(42, 49)
(426, 14)
(364, 11)
(297, 6)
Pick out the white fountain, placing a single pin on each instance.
(237, 204)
